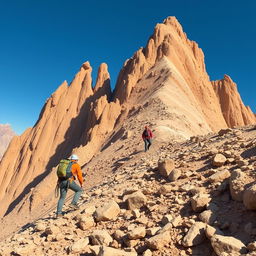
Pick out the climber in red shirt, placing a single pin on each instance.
(147, 137)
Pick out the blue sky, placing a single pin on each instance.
(44, 42)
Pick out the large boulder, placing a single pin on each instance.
(165, 167)
(109, 211)
(135, 200)
(228, 245)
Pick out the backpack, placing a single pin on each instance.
(64, 169)
(145, 133)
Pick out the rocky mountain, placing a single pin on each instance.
(233, 109)
(164, 85)
(6, 134)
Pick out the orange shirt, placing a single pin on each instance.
(76, 170)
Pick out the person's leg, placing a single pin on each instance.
(78, 191)
(149, 143)
(146, 145)
(63, 193)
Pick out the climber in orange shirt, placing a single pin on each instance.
(65, 183)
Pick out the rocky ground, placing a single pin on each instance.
(191, 198)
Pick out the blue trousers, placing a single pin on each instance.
(64, 186)
(147, 144)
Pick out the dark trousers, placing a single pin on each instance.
(148, 143)
(64, 186)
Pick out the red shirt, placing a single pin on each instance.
(149, 134)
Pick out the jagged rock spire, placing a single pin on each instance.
(233, 109)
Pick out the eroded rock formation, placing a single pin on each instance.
(232, 106)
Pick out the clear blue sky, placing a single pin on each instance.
(44, 42)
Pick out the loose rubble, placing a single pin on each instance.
(185, 200)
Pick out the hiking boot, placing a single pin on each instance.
(74, 207)
(59, 215)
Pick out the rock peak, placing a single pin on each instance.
(103, 81)
(86, 65)
(171, 20)
(227, 78)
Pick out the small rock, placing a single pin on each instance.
(219, 160)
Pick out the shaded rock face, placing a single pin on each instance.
(74, 115)
(233, 109)
(78, 118)
(6, 134)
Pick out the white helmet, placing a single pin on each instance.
(73, 157)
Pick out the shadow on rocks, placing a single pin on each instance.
(249, 153)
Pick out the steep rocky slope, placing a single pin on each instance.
(191, 198)
(6, 134)
(164, 85)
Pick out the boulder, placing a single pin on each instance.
(165, 167)
(249, 197)
(174, 175)
(219, 176)
(228, 245)
(237, 182)
(86, 222)
(219, 160)
(79, 245)
(100, 237)
(199, 202)
(208, 217)
(195, 235)
(211, 231)
(109, 211)
(135, 200)
(158, 241)
(137, 233)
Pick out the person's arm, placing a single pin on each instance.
(79, 174)
(150, 134)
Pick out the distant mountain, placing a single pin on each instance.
(6, 134)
